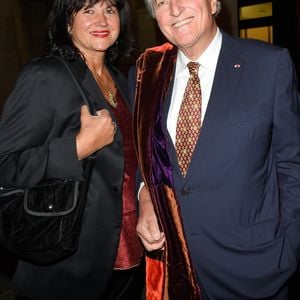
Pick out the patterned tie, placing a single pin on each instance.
(189, 119)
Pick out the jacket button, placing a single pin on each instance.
(185, 191)
(117, 226)
(115, 188)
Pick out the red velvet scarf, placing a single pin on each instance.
(169, 275)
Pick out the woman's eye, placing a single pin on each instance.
(110, 10)
(88, 11)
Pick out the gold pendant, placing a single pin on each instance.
(112, 100)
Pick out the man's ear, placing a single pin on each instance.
(214, 6)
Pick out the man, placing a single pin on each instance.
(228, 226)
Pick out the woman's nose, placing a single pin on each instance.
(100, 19)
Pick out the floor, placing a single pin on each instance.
(7, 265)
(6, 292)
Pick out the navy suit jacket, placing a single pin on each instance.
(240, 200)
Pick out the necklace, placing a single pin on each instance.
(111, 98)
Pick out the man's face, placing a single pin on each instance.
(188, 24)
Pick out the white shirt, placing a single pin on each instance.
(208, 62)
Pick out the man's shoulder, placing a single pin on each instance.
(256, 51)
(160, 48)
(250, 44)
(163, 52)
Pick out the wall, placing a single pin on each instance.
(12, 45)
(22, 35)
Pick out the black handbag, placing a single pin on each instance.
(42, 224)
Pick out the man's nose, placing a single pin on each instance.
(175, 7)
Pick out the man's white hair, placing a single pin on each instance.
(149, 5)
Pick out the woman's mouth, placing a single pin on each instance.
(100, 33)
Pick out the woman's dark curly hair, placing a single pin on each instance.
(61, 16)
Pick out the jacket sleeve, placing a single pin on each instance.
(35, 142)
(286, 142)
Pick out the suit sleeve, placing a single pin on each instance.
(286, 141)
(131, 84)
(33, 145)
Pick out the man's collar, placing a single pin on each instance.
(208, 59)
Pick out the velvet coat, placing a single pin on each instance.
(240, 200)
(37, 140)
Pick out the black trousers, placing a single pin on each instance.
(126, 285)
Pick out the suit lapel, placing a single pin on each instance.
(171, 148)
(87, 82)
(228, 72)
(91, 88)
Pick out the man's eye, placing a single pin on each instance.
(160, 3)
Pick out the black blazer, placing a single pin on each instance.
(37, 140)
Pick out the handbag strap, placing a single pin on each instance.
(84, 97)
(88, 163)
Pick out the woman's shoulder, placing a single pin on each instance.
(45, 73)
(46, 64)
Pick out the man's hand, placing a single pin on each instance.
(147, 227)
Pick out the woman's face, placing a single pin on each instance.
(96, 28)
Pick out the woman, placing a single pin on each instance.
(46, 130)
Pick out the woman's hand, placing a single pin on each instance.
(95, 132)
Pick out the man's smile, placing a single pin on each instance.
(182, 22)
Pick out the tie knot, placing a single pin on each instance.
(193, 68)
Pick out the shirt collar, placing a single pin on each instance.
(208, 59)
